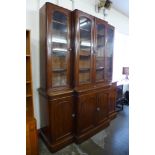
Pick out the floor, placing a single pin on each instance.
(114, 140)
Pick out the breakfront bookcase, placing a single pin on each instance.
(31, 131)
(77, 96)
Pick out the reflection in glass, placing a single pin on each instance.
(60, 17)
(99, 75)
(59, 49)
(100, 52)
(85, 50)
(109, 57)
(59, 79)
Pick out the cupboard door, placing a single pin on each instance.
(99, 50)
(59, 47)
(102, 107)
(86, 111)
(84, 28)
(62, 118)
(109, 53)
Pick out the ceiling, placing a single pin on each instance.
(122, 6)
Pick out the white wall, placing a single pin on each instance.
(118, 20)
(32, 23)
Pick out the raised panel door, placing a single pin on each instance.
(102, 106)
(62, 115)
(86, 111)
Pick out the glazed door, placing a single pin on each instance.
(62, 118)
(109, 53)
(86, 111)
(99, 50)
(84, 48)
(102, 106)
(58, 47)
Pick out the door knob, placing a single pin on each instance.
(98, 109)
(73, 115)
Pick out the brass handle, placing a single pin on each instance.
(73, 115)
(98, 109)
(69, 49)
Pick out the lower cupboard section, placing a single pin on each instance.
(75, 117)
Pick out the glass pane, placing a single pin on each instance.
(59, 78)
(110, 42)
(100, 52)
(84, 76)
(85, 50)
(59, 61)
(99, 75)
(100, 29)
(109, 57)
(59, 49)
(59, 17)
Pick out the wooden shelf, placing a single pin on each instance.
(84, 53)
(84, 69)
(99, 68)
(28, 95)
(59, 70)
(99, 46)
(100, 57)
(100, 35)
(27, 55)
(84, 29)
(55, 21)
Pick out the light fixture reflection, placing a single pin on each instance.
(60, 49)
(59, 40)
(85, 44)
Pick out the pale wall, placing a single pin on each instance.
(115, 18)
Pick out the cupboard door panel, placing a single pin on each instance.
(62, 118)
(102, 107)
(86, 113)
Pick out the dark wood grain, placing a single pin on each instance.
(76, 111)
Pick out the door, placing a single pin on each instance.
(84, 28)
(58, 47)
(102, 106)
(99, 50)
(62, 118)
(109, 53)
(86, 111)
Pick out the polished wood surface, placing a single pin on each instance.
(112, 101)
(31, 131)
(29, 93)
(77, 97)
(31, 137)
